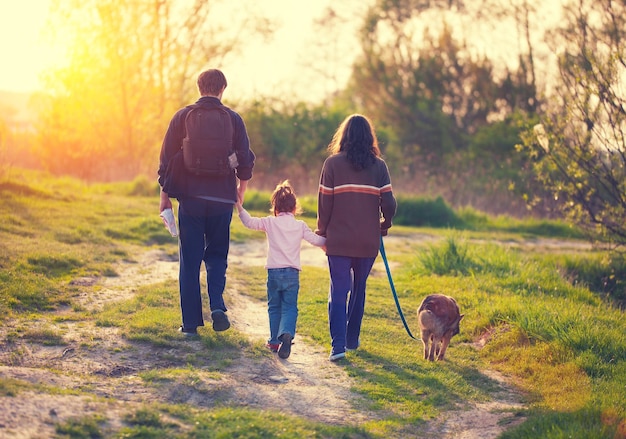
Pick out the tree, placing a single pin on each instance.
(291, 140)
(16, 132)
(4, 134)
(425, 79)
(580, 146)
(131, 65)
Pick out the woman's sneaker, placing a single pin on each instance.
(337, 356)
(285, 347)
(358, 343)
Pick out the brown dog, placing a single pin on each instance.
(439, 319)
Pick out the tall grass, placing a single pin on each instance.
(602, 273)
(450, 258)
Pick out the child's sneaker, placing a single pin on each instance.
(285, 347)
(272, 347)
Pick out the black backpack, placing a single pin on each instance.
(208, 143)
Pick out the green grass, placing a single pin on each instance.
(470, 219)
(551, 321)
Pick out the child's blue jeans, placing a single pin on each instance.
(283, 285)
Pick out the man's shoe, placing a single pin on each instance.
(273, 347)
(285, 347)
(220, 320)
(188, 332)
(337, 356)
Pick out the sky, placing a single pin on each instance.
(282, 66)
(279, 67)
(269, 67)
(23, 54)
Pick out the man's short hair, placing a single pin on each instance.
(211, 82)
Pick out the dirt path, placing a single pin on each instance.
(97, 359)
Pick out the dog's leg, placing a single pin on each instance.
(445, 341)
(433, 347)
(425, 339)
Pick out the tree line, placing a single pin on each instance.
(541, 134)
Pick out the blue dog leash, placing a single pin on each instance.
(393, 289)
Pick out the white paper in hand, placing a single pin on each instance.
(170, 222)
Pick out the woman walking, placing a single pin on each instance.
(355, 207)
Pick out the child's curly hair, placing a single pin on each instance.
(284, 199)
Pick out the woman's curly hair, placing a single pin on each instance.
(356, 136)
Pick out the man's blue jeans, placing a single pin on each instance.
(348, 275)
(283, 285)
(203, 237)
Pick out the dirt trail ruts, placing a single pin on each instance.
(104, 380)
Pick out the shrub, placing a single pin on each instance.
(602, 275)
(258, 201)
(425, 212)
(143, 187)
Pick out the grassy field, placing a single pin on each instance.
(548, 317)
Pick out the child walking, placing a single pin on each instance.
(284, 237)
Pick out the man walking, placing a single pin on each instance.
(205, 205)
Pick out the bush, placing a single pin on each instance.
(260, 202)
(143, 187)
(602, 275)
(425, 212)
(257, 201)
(309, 206)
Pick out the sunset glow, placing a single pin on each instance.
(24, 53)
(278, 65)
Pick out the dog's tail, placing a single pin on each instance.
(426, 318)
